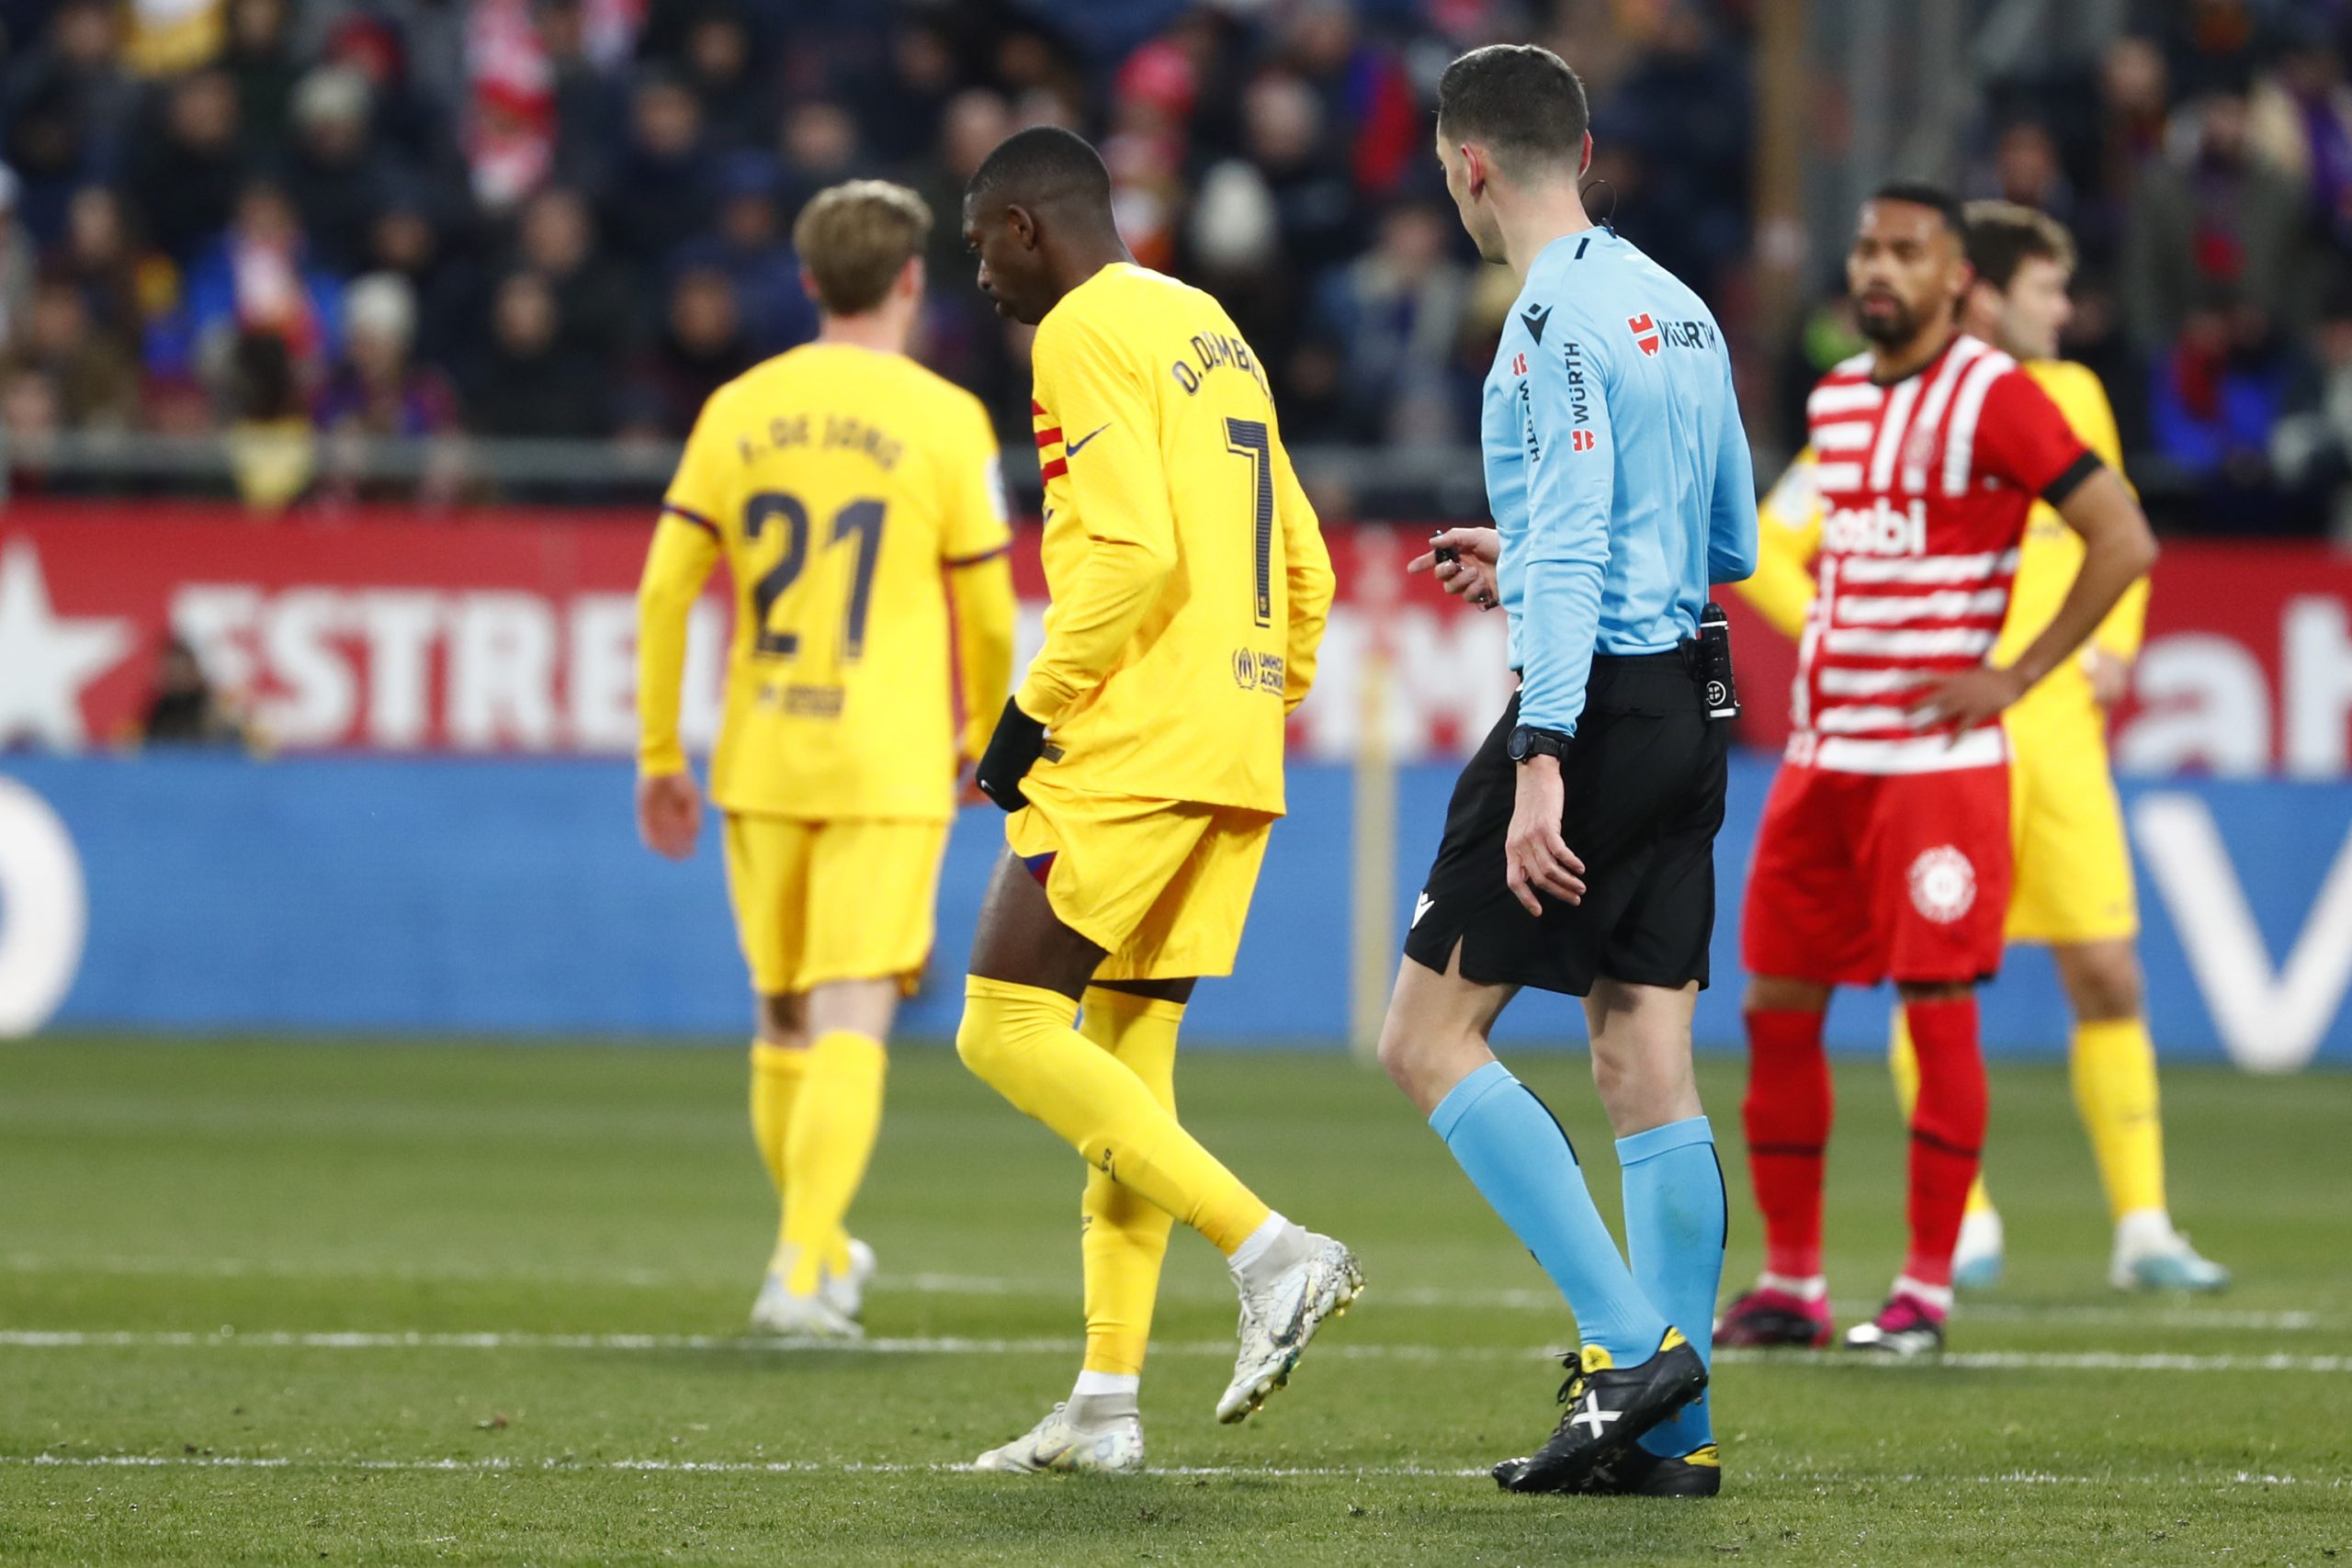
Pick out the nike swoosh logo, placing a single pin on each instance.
(1069, 448)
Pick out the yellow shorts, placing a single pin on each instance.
(2074, 864)
(1162, 885)
(822, 901)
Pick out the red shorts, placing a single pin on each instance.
(1863, 877)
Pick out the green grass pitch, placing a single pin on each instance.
(391, 1303)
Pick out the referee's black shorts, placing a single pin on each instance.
(1645, 787)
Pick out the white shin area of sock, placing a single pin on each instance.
(1265, 1252)
(1092, 1383)
(1104, 1396)
(2144, 1231)
(1936, 1296)
(1809, 1288)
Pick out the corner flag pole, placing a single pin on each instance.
(1372, 846)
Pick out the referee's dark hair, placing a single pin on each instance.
(1523, 102)
(1044, 167)
(2003, 236)
(1919, 193)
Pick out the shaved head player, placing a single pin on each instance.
(1141, 762)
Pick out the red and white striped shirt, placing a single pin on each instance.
(1923, 489)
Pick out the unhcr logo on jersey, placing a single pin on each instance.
(1260, 671)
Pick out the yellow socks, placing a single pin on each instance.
(831, 1139)
(777, 1072)
(1018, 1040)
(2113, 1064)
(2114, 1069)
(1123, 1237)
(1905, 1062)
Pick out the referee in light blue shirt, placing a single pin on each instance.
(1578, 853)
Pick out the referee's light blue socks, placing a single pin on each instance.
(1674, 1231)
(1516, 1154)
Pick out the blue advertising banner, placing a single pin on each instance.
(201, 893)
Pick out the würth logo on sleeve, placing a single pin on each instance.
(1646, 334)
(1518, 364)
(1582, 441)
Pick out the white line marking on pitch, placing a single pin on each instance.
(1959, 1360)
(1215, 1471)
(1505, 1298)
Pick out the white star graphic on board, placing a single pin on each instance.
(45, 660)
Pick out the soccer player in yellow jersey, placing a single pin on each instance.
(1141, 760)
(2074, 867)
(857, 499)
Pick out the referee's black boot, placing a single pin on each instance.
(1608, 1407)
(1637, 1473)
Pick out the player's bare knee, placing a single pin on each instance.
(1399, 1055)
(2102, 980)
(1779, 993)
(859, 1007)
(781, 1020)
(1436, 1033)
(1644, 1084)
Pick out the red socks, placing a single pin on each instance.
(1947, 1131)
(1786, 1116)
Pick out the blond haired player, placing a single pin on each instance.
(2073, 887)
(855, 498)
(1141, 760)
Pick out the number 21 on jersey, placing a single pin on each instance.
(857, 526)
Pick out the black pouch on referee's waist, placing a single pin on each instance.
(1708, 658)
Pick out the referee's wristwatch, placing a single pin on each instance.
(1529, 741)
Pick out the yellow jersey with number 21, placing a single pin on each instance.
(849, 491)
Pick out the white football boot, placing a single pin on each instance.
(1057, 1444)
(2151, 1255)
(1978, 1262)
(845, 1292)
(814, 1317)
(1279, 1318)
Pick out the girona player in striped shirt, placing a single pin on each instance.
(1885, 847)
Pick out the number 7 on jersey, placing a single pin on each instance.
(1248, 438)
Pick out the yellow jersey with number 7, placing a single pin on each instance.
(847, 489)
(1188, 577)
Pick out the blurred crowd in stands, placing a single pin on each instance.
(304, 221)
